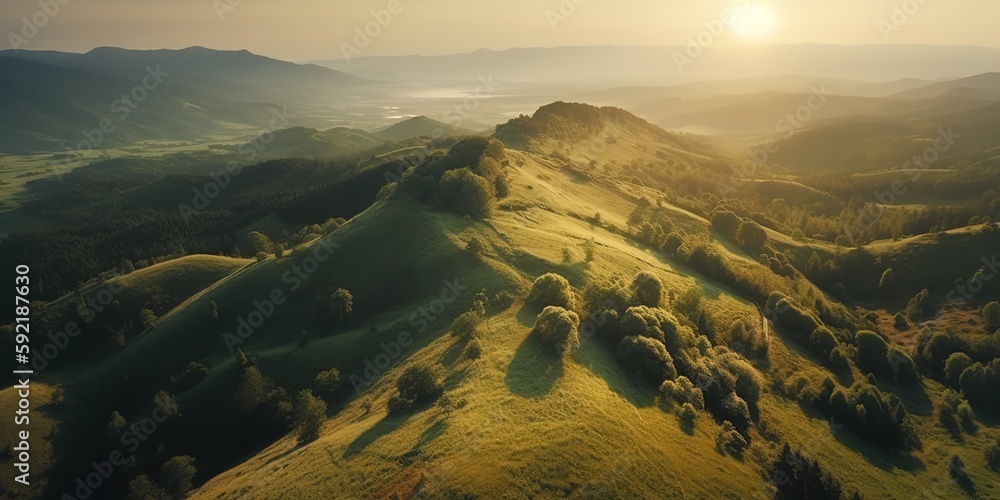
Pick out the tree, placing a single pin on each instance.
(213, 310)
(260, 242)
(558, 328)
(142, 488)
(647, 290)
(117, 424)
(341, 304)
(726, 222)
(873, 352)
(310, 413)
(147, 318)
(467, 193)
(589, 248)
(328, 380)
(751, 235)
(954, 366)
(419, 383)
(888, 280)
(648, 356)
(993, 456)
(177, 474)
(551, 290)
(476, 247)
(464, 326)
(991, 315)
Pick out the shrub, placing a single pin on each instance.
(177, 474)
(991, 315)
(502, 300)
(474, 350)
(589, 249)
(823, 342)
(464, 326)
(648, 356)
(606, 294)
(310, 413)
(683, 391)
(647, 290)
(728, 440)
(551, 290)
(260, 243)
(955, 365)
(328, 380)
(418, 384)
(873, 352)
(558, 328)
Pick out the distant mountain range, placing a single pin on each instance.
(658, 66)
(56, 100)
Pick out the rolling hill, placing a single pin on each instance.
(419, 126)
(567, 190)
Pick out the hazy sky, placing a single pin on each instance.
(318, 29)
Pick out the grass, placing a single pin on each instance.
(42, 427)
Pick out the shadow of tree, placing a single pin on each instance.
(597, 358)
(390, 423)
(534, 370)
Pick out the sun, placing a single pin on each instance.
(755, 22)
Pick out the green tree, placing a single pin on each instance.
(147, 318)
(991, 315)
(341, 304)
(142, 488)
(751, 235)
(888, 280)
(551, 290)
(647, 290)
(310, 413)
(467, 193)
(558, 328)
(954, 366)
(177, 474)
(328, 380)
(117, 424)
(260, 242)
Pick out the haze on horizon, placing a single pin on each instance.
(307, 30)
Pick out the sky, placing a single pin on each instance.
(305, 30)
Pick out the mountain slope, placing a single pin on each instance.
(419, 126)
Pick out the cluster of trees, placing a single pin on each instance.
(879, 417)
(796, 476)
(174, 482)
(467, 180)
(805, 328)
